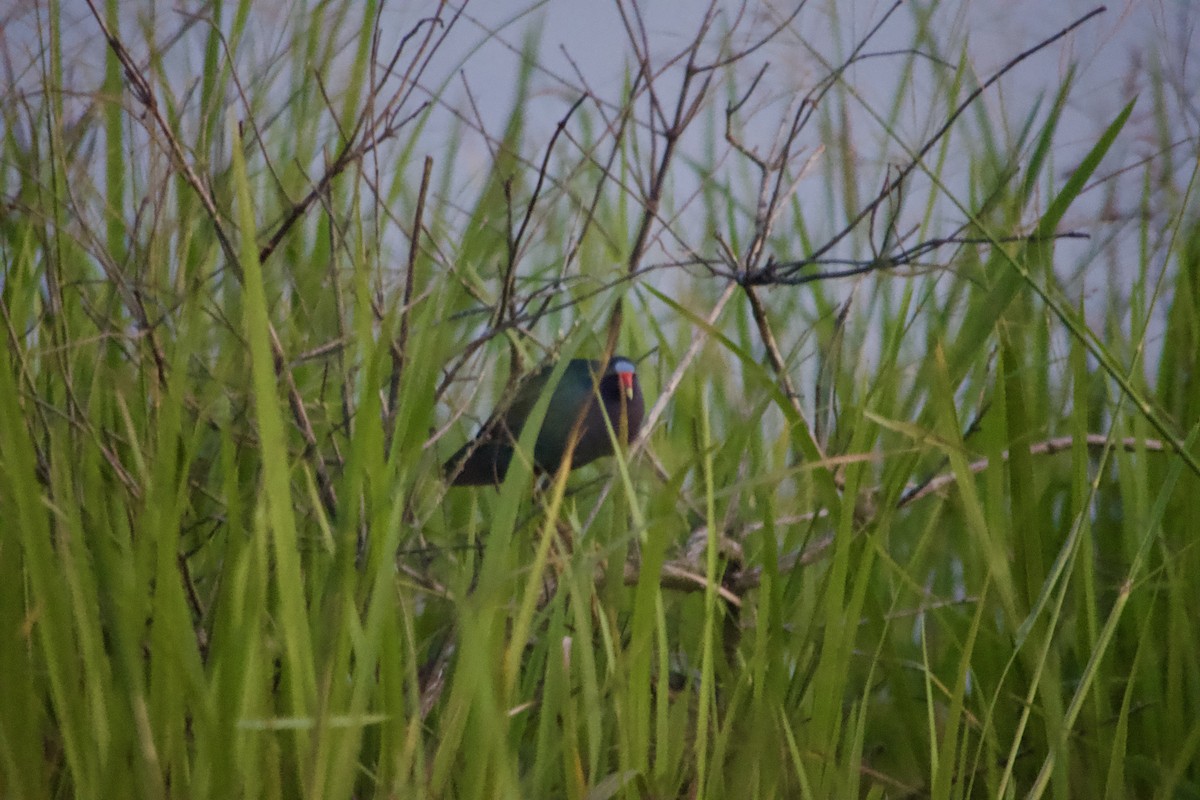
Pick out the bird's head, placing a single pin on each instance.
(626, 374)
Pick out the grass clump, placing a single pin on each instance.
(909, 515)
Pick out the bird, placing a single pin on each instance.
(486, 458)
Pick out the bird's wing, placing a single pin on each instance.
(571, 391)
(525, 399)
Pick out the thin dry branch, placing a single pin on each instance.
(682, 576)
(688, 103)
(365, 137)
(776, 273)
(399, 347)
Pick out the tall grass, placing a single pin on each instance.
(911, 516)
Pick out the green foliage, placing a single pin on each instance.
(921, 530)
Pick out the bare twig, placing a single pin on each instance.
(818, 549)
(381, 126)
(1094, 441)
(774, 273)
(400, 347)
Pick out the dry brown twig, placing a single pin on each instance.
(683, 575)
(783, 273)
(368, 132)
(688, 102)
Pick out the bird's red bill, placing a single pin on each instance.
(626, 379)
